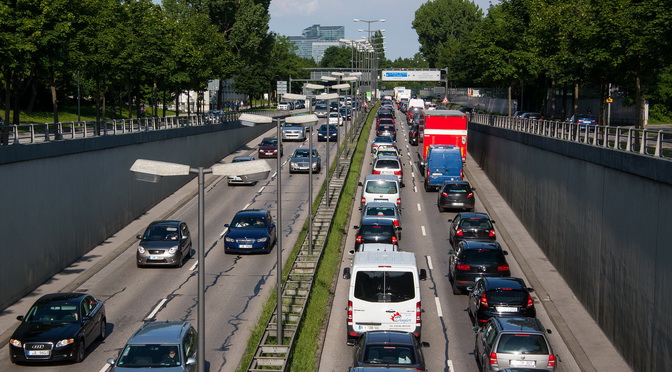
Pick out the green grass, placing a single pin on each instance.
(314, 317)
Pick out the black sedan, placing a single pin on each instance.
(471, 226)
(471, 261)
(377, 230)
(502, 297)
(327, 132)
(250, 231)
(390, 349)
(456, 195)
(58, 327)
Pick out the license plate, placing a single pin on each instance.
(38, 352)
(245, 246)
(154, 258)
(522, 363)
(367, 328)
(436, 174)
(458, 204)
(380, 200)
(506, 309)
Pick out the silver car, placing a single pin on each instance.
(300, 161)
(235, 180)
(164, 243)
(159, 346)
(293, 132)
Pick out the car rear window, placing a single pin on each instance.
(482, 256)
(522, 344)
(380, 211)
(377, 230)
(456, 188)
(507, 295)
(381, 187)
(387, 164)
(389, 354)
(476, 222)
(384, 286)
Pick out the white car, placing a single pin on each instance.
(335, 118)
(284, 106)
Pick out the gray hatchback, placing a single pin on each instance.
(166, 346)
(164, 243)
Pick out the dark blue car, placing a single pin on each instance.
(250, 231)
(327, 132)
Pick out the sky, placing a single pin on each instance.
(290, 17)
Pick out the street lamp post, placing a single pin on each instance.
(302, 119)
(310, 176)
(152, 171)
(327, 97)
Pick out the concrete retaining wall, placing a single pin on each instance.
(54, 209)
(602, 218)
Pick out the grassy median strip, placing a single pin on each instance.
(304, 355)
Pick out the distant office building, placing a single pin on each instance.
(315, 39)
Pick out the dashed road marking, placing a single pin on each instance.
(246, 205)
(424, 233)
(261, 189)
(223, 232)
(194, 266)
(419, 208)
(156, 309)
(429, 263)
(438, 306)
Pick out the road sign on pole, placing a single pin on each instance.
(281, 87)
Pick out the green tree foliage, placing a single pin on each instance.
(337, 57)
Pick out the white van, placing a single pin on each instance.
(381, 188)
(384, 293)
(416, 102)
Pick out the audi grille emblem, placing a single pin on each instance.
(39, 346)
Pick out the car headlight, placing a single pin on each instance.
(141, 250)
(172, 250)
(293, 164)
(15, 342)
(230, 240)
(65, 342)
(262, 240)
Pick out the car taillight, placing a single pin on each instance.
(470, 195)
(376, 172)
(491, 233)
(358, 239)
(363, 200)
(463, 267)
(484, 301)
(461, 174)
(418, 313)
(397, 173)
(398, 201)
(395, 223)
(444, 194)
(503, 268)
(551, 361)
(394, 240)
(530, 302)
(349, 311)
(493, 360)
(459, 232)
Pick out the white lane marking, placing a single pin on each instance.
(429, 263)
(415, 189)
(419, 208)
(423, 231)
(261, 189)
(156, 309)
(450, 366)
(194, 266)
(274, 174)
(438, 307)
(283, 164)
(105, 368)
(223, 232)
(246, 205)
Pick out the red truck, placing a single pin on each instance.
(441, 127)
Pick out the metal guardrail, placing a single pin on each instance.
(272, 354)
(47, 132)
(655, 143)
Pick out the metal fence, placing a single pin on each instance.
(656, 143)
(45, 132)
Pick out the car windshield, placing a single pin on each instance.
(52, 313)
(332, 128)
(269, 142)
(387, 164)
(389, 354)
(248, 222)
(381, 187)
(477, 223)
(380, 211)
(161, 232)
(320, 107)
(384, 286)
(482, 256)
(302, 154)
(522, 344)
(504, 295)
(150, 356)
(285, 124)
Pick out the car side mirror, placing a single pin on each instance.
(530, 289)
(473, 189)
(272, 225)
(425, 344)
(191, 361)
(346, 273)
(469, 289)
(138, 237)
(111, 361)
(450, 251)
(505, 253)
(493, 221)
(450, 220)
(351, 252)
(20, 317)
(227, 225)
(475, 329)
(423, 274)
(355, 227)
(549, 331)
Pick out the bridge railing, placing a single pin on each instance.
(651, 142)
(46, 132)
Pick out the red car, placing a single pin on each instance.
(268, 148)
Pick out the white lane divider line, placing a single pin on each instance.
(274, 174)
(438, 306)
(419, 208)
(156, 309)
(105, 368)
(450, 365)
(223, 232)
(194, 266)
(261, 189)
(429, 263)
(415, 189)
(424, 233)
(246, 205)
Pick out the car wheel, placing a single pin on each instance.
(180, 261)
(79, 354)
(456, 290)
(103, 330)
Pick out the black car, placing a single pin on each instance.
(389, 349)
(327, 132)
(377, 230)
(58, 327)
(250, 231)
(164, 243)
(334, 106)
(503, 297)
(471, 260)
(413, 134)
(456, 195)
(471, 226)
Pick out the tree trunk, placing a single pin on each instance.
(564, 102)
(553, 99)
(54, 99)
(163, 103)
(177, 104)
(509, 97)
(639, 102)
(604, 94)
(575, 100)
(5, 131)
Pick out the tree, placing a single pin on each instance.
(337, 57)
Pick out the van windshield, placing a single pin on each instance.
(381, 187)
(384, 286)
